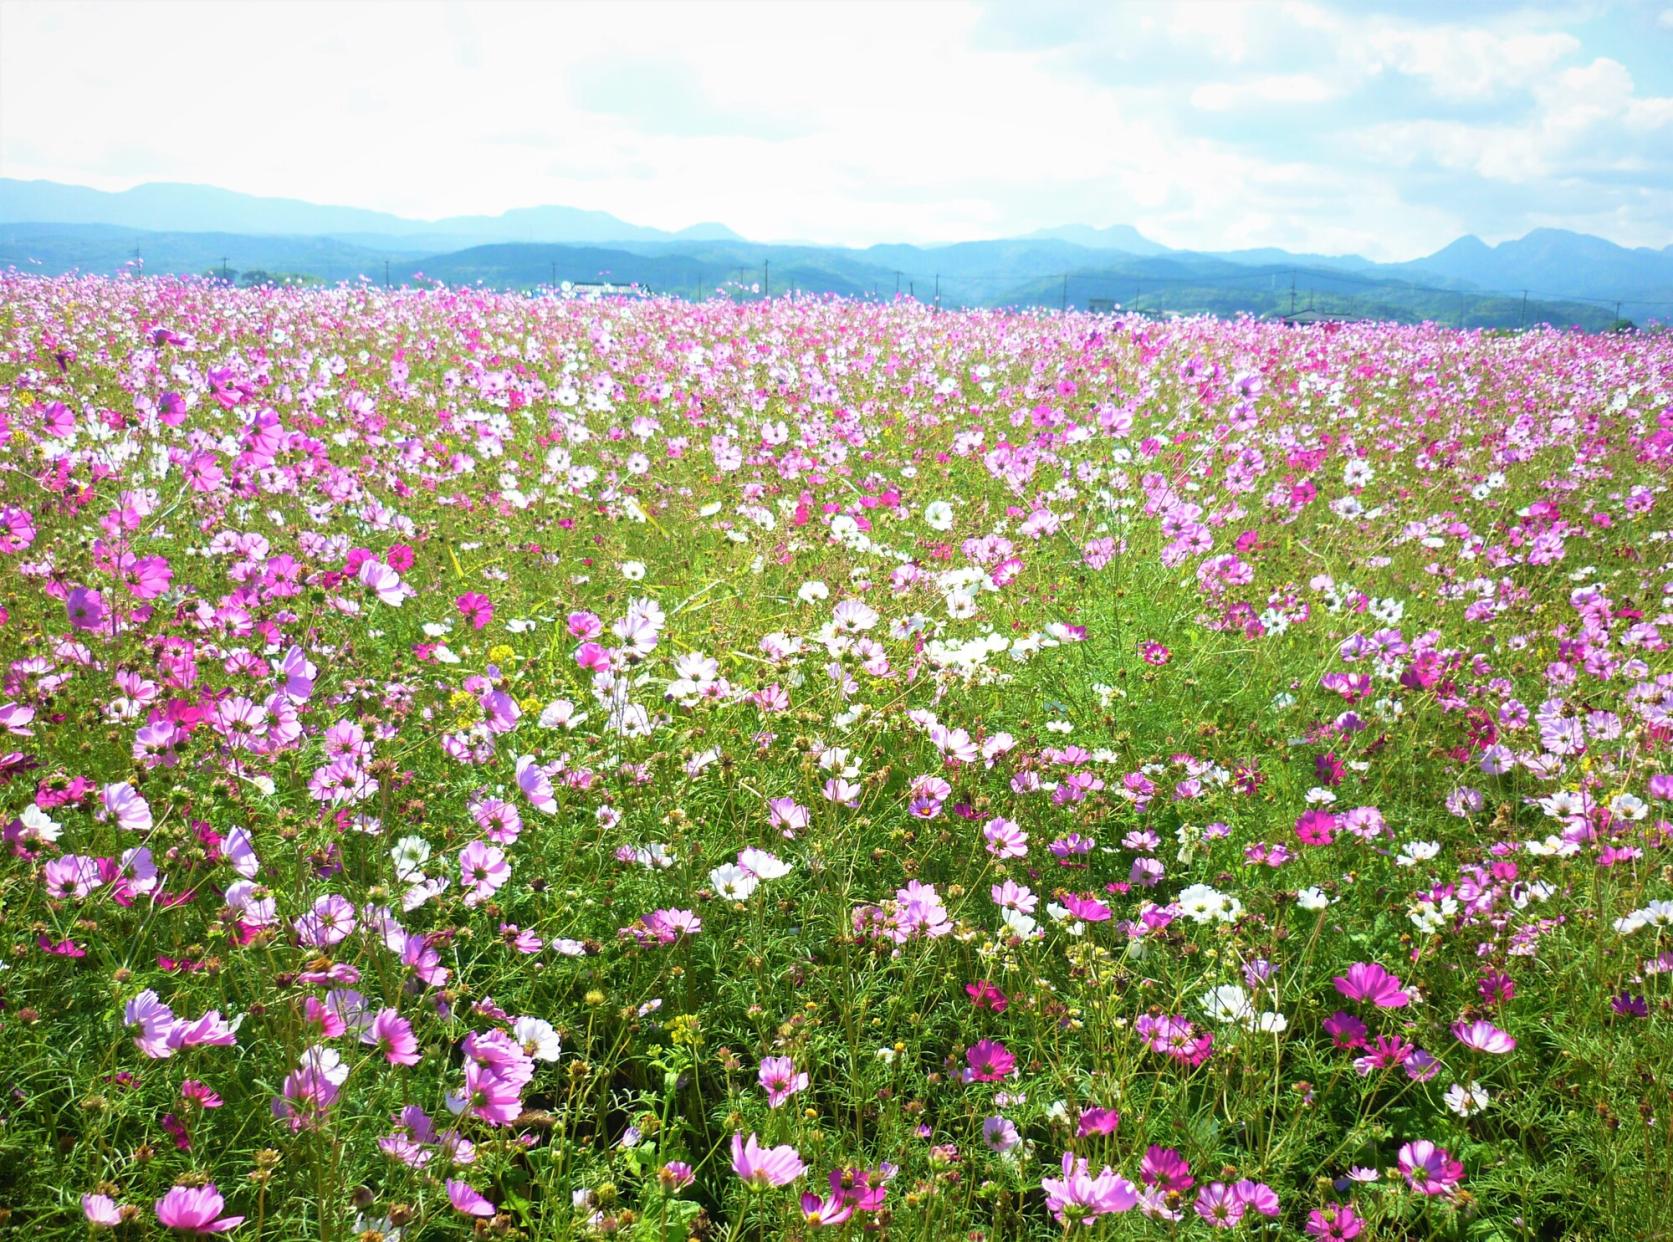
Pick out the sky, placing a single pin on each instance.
(1383, 129)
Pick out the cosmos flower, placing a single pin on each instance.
(780, 1080)
(195, 1210)
(763, 1168)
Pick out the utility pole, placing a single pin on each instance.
(1460, 311)
(386, 273)
(1617, 313)
(1292, 293)
(938, 291)
(766, 278)
(223, 267)
(912, 290)
(1065, 305)
(1522, 318)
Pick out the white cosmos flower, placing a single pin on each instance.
(762, 864)
(410, 855)
(1227, 1003)
(938, 515)
(538, 1037)
(733, 882)
(1466, 1101)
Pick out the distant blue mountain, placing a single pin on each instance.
(173, 207)
(48, 226)
(1552, 261)
(1122, 237)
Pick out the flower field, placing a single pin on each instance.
(482, 765)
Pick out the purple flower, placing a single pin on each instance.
(86, 608)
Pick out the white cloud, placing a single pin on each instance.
(1205, 124)
(1283, 88)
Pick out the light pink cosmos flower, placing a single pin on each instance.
(761, 1168)
(1078, 1197)
(195, 1210)
(780, 1080)
(1005, 839)
(1483, 1037)
(101, 1210)
(385, 583)
(536, 785)
(123, 803)
(483, 869)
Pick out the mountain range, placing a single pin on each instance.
(1549, 275)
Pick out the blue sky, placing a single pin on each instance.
(1382, 129)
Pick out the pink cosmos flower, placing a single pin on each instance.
(536, 785)
(780, 1080)
(1220, 1205)
(1367, 981)
(465, 1199)
(149, 577)
(196, 1210)
(1165, 1169)
(1316, 827)
(1005, 839)
(761, 1168)
(392, 1035)
(122, 802)
(1097, 1121)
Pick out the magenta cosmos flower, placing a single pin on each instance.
(1430, 1169)
(195, 1209)
(761, 1167)
(1335, 1222)
(989, 1060)
(1367, 981)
